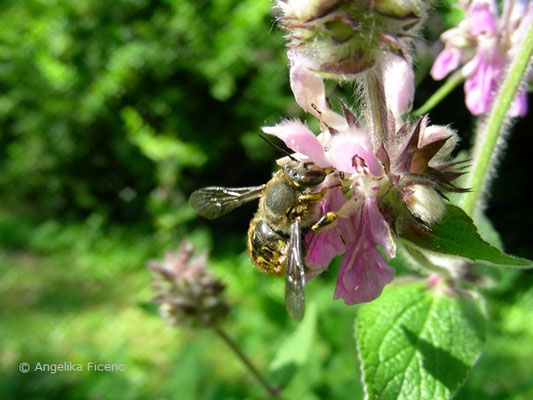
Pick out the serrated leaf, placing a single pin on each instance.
(418, 341)
(457, 235)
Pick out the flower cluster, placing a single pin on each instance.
(393, 185)
(483, 45)
(188, 293)
(342, 39)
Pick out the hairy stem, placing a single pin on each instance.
(424, 263)
(378, 103)
(450, 84)
(272, 391)
(490, 131)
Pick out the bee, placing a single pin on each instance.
(275, 237)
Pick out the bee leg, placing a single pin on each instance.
(268, 267)
(327, 221)
(274, 254)
(313, 197)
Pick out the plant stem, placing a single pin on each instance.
(490, 131)
(424, 263)
(455, 79)
(273, 391)
(378, 104)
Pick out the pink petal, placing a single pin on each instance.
(309, 90)
(433, 133)
(362, 276)
(472, 66)
(345, 147)
(519, 105)
(399, 85)
(364, 272)
(518, 24)
(520, 9)
(482, 18)
(324, 246)
(447, 61)
(481, 85)
(379, 228)
(300, 139)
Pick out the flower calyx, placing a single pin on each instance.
(345, 38)
(414, 158)
(189, 294)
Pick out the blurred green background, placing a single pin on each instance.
(111, 113)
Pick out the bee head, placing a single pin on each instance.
(305, 173)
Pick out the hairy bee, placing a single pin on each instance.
(286, 208)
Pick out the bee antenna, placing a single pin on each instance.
(281, 150)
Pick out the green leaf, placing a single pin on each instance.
(457, 235)
(504, 371)
(418, 341)
(296, 348)
(488, 232)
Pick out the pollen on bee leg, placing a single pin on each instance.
(275, 255)
(267, 267)
(325, 220)
(262, 260)
(312, 196)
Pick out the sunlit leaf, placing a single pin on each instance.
(418, 341)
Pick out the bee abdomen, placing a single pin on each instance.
(267, 248)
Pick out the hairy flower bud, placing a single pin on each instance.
(399, 8)
(425, 203)
(415, 158)
(344, 38)
(187, 291)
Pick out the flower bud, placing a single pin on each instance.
(425, 203)
(187, 291)
(344, 38)
(400, 8)
(399, 82)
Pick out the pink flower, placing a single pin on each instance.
(359, 227)
(301, 140)
(189, 294)
(484, 72)
(364, 271)
(484, 44)
(309, 90)
(399, 83)
(342, 40)
(342, 148)
(323, 247)
(409, 161)
(447, 61)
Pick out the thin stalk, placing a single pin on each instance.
(272, 391)
(424, 263)
(451, 83)
(489, 132)
(378, 104)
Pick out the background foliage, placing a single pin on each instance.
(111, 113)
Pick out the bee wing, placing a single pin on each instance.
(215, 201)
(295, 279)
